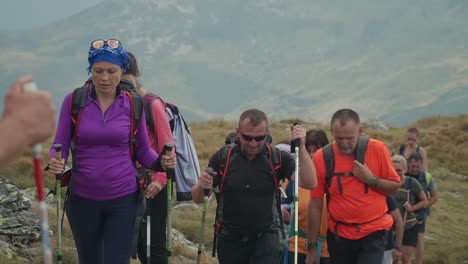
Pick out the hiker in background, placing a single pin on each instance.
(410, 198)
(415, 170)
(393, 249)
(315, 140)
(156, 192)
(247, 214)
(412, 146)
(103, 194)
(358, 222)
(28, 118)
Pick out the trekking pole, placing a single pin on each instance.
(58, 196)
(206, 193)
(148, 222)
(296, 191)
(37, 161)
(170, 176)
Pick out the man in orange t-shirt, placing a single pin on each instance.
(358, 221)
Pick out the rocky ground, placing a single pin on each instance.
(19, 226)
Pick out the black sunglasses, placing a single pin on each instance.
(250, 138)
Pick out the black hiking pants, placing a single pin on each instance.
(263, 248)
(102, 230)
(367, 250)
(158, 213)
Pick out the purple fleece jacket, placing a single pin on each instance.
(105, 169)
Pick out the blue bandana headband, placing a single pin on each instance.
(115, 56)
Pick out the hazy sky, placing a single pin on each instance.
(24, 15)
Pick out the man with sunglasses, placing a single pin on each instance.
(249, 231)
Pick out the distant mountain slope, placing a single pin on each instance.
(290, 58)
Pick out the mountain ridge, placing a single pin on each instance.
(302, 59)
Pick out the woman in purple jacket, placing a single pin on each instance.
(104, 200)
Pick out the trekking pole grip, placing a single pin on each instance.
(58, 156)
(296, 142)
(167, 151)
(209, 170)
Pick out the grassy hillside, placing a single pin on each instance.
(445, 139)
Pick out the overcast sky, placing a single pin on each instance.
(24, 15)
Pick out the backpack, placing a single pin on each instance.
(329, 157)
(187, 169)
(424, 179)
(78, 102)
(225, 158)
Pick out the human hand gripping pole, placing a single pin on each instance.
(58, 196)
(206, 193)
(170, 175)
(37, 161)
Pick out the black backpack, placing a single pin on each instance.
(225, 158)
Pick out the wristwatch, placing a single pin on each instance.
(310, 245)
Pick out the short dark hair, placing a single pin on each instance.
(415, 156)
(413, 130)
(317, 138)
(133, 65)
(345, 115)
(255, 117)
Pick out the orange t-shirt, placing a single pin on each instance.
(303, 200)
(354, 206)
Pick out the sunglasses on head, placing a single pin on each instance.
(250, 138)
(101, 43)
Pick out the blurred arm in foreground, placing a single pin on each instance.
(28, 118)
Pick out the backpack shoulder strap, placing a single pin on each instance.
(361, 149)
(401, 150)
(360, 152)
(417, 149)
(147, 102)
(428, 177)
(77, 103)
(329, 158)
(136, 104)
(409, 183)
(275, 163)
(225, 156)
